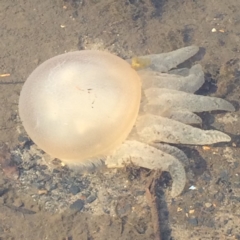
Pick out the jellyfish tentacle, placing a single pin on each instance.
(163, 62)
(196, 79)
(178, 114)
(151, 128)
(176, 99)
(190, 83)
(174, 151)
(149, 157)
(180, 71)
(184, 116)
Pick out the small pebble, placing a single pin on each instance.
(208, 205)
(42, 191)
(91, 198)
(77, 205)
(74, 189)
(193, 221)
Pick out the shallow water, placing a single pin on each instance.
(111, 204)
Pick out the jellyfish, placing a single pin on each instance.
(88, 107)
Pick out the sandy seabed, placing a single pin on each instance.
(49, 201)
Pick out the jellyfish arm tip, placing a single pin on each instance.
(149, 157)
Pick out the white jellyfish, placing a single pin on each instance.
(87, 106)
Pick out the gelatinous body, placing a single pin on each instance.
(82, 107)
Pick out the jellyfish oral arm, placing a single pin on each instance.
(149, 157)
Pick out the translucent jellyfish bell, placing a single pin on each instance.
(80, 105)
